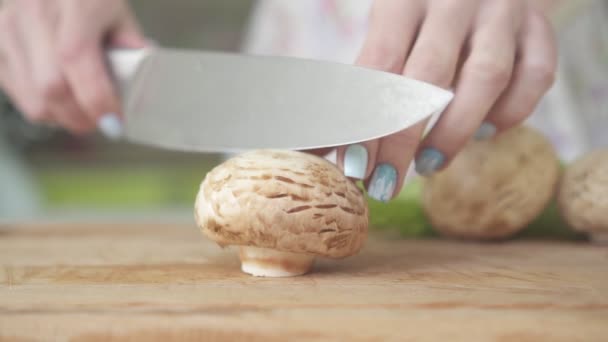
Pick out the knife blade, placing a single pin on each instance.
(216, 102)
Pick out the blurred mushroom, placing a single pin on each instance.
(583, 195)
(282, 208)
(493, 188)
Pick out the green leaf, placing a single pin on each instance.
(404, 215)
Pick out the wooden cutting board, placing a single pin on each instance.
(166, 282)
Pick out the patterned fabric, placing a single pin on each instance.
(573, 115)
(319, 29)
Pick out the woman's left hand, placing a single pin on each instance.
(498, 56)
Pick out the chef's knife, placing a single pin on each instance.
(222, 102)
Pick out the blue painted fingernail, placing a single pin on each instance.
(355, 161)
(485, 131)
(383, 183)
(429, 161)
(110, 126)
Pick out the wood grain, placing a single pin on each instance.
(163, 282)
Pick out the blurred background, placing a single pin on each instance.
(47, 175)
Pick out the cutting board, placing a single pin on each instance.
(164, 282)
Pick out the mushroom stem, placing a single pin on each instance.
(263, 262)
(600, 238)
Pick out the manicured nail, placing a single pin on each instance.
(485, 131)
(383, 183)
(429, 161)
(355, 161)
(110, 126)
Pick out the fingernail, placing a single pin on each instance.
(429, 161)
(355, 161)
(485, 131)
(110, 125)
(383, 183)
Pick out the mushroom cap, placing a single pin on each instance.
(283, 200)
(493, 188)
(583, 194)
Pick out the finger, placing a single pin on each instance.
(358, 160)
(395, 153)
(392, 32)
(319, 151)
(435, 55)
(393, 26)
(81, 55)
(49, 83)
(127, 33)
(533, 77)
(484, 76)
(69, 115)
(433, 59)
(15, 77)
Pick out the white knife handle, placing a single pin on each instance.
(124, 63)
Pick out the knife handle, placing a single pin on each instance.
(124, 63)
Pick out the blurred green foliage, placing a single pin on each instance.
(122, 187)
(405, 215)
(550, 224)
(176, 186)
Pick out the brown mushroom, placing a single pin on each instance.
(583, 195)
(282, 208)
(493, 188)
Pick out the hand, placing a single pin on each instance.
(52, 63)
(498, 56)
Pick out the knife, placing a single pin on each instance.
(218, 102)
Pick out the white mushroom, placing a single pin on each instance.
(583, 195)
(493, 188)
(282, 208)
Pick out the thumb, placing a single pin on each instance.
(127, 34)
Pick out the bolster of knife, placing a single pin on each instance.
(124, 63)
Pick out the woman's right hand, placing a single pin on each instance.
(52, 62)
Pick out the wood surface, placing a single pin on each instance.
(167, 282)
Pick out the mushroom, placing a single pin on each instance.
(282, 208)
(583, 195)
(493, 188)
